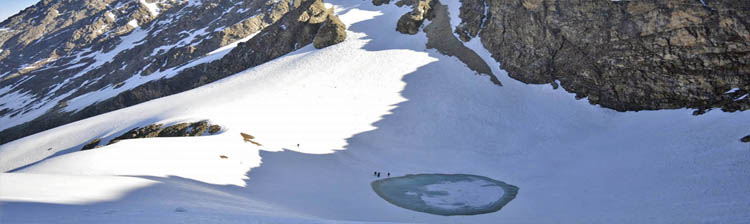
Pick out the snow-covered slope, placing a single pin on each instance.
(382, 102)
(95, 49)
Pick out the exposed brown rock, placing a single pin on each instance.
(745, 139)
(246, 136)
(198, 128)
(249, 138)
(185, 129)
(148, 131)
(176, 130)
(213, 129)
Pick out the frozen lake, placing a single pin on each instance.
(446, 194)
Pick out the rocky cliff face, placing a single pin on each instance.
(173, 53)
(624, 55)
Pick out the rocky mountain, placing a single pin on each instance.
(66, 60)
(624, 55)
(140, 50)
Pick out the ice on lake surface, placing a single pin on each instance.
(446, 194)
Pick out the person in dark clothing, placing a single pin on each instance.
(378, 174)
(389, 174)
(375, 173)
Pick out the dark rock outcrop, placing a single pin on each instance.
(410, 22)
(174, 130)
(199, 128)
(380, 2)
(472, 14)
(624, 55)
(187, 129)
(745, 139)
(332, 32)
(148, 131)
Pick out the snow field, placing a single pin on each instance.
(381, 102)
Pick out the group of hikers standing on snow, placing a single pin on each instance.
(377, 174)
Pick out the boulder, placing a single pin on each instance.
(410, 22)
(332, 32)
(213, 129)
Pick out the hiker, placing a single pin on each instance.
(375, 173)
(389, 174)
(378, 174)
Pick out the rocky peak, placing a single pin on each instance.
(50, 29)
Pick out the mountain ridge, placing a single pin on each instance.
(85, 86)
